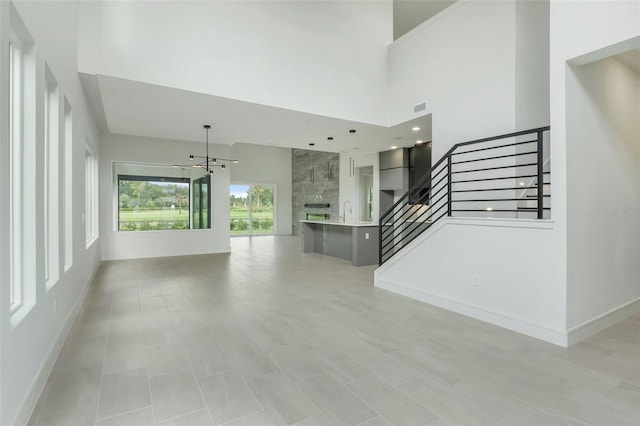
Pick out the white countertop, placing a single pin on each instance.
(333, 222)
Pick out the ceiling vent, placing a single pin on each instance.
(421, 107)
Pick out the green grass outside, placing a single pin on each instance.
(243, 213)
(168, 215)
(151, 215)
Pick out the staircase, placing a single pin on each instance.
(496, 177)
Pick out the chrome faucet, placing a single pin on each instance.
(344, 210)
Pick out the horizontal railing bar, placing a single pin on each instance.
(499, 210)
(393, 226)
(490, 199)
(498, 178)
(507, 135)
(410, 234)
(494, 158)
(404, 212)
(428, 196)
(495, 189)
(495, 147)
(494, 168)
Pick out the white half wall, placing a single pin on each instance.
(29, 345)
(142, 244)
(494, 270)
(270, 166)
(321, 57)
(603, 189)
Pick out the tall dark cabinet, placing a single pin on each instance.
(419, 165)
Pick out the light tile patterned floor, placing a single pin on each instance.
(270, 336)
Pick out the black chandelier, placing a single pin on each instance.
(206, 162)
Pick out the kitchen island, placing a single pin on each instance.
(355, 241)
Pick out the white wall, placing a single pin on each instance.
(503, 255)
(605, 27)
(532, 64)
(266, 165)
(320, 57)
(131, 245)
(461, 62)
(29, 347)
(603, 188)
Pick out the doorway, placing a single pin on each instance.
(251, 209)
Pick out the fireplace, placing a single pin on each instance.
(318, 216)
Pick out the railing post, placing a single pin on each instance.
(540, 176)
(449, 185)
(380, 229)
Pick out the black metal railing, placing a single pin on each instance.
(497, 178)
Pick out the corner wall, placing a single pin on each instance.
(603, 187)
(605, 28)
(131, 245)
(266, 165)
(29, 347)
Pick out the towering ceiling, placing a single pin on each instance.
(408, 14)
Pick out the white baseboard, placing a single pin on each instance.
(599, 323)
(520, 325)
(40, 381)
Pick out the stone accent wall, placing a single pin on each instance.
(323, 188)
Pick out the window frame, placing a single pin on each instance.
(91, 196)
(16, 182)
(149, 178)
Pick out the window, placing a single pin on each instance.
(15, 172)
(156, 203)
(51, 176)
(19, 161)
(67, 189)
(252, 209)
(91, 196)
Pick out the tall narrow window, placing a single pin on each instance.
(67, 191)
(21, 157)
(51, 175)
(15, 172)
(91, 196)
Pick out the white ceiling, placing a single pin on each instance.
(142, 109)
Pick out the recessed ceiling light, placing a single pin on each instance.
(393, 147)
(489, 209)
(419, 141)
(521, 183)
(415, 129)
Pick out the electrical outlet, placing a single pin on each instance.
(475, 280)
(366, 235)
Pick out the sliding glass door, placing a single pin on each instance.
(201, 213)
(252, 209)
